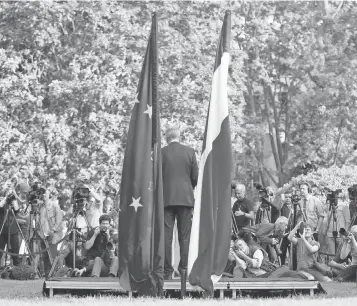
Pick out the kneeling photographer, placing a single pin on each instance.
(100, 250)
(345, 271)
(9, 230)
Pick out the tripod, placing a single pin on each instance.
(72, 229)
(332, 210)
(292, 248)
(36, 233)
(10, 213)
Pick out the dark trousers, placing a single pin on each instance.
(348, 274)
(13, 248)
(183, 214)
(285, 243)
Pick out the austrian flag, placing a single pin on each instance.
(211, 226)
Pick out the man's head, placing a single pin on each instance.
(24, 171)
(172, 133)
(107, 205)
(304, 189)
(287, 199)
(104, 222)
(240, 191)
(91, 202)
(23, 188)
(241, 245)
(281, 224)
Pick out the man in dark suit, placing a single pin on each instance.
(180, 173)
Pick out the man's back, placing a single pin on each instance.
(180, 172)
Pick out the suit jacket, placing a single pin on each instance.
(179, 173)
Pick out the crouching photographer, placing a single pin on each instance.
(101, 251)
(9, 230)
(345, 271)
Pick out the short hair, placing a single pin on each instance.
(307, 225)
(240, 187)
(306, 184)
(172, 132)
(104, 218)
(282, 219)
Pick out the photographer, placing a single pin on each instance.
(268, 210)
(337, 217)
(268, 235)
(100, 250)
(346, 272)
(305, 251)
(243, 211)
(312, 209)
(9, 227)
(352, 194)
(48, 222)
(93, 208)
(251, 261)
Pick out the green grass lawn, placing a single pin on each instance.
(18, 293)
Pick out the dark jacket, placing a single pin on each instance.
(179, 173)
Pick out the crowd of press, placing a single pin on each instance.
(292, 235)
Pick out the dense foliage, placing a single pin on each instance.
(69, 71)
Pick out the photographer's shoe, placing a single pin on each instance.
(79, 273)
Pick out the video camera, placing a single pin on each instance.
(9, 199)
(80, 237)
(296, 197)
(332, 197)
(35, 196)
(352, 192)
(81, 198)
(265, 195)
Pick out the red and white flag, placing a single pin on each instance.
(211, 226)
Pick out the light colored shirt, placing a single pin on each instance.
(258, 257)
(343, 219)
(312, 209)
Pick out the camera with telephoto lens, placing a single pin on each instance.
(81, 198)
(265, 196)
(35, 196)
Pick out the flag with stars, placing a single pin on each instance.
(211, 223)
(141, 217)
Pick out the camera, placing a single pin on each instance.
(352, 192)
(35, 196)
(81, 198)
(265, 195)
(80, 237)
(343, 232)
(332, 197)
(302, 227)
(296, 197)
(9, 199)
